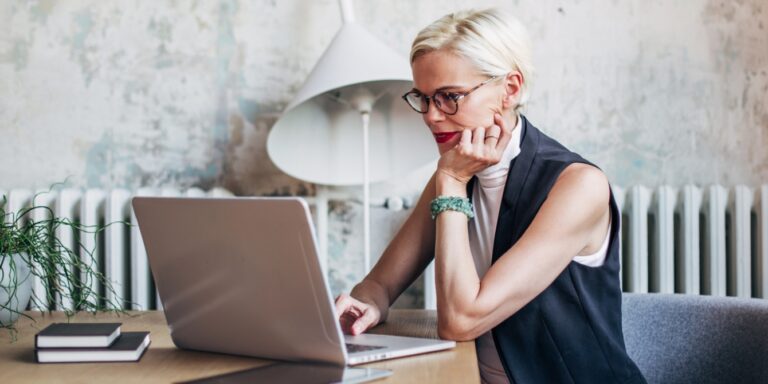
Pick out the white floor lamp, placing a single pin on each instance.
(350, 100)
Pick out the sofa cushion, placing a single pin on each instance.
(677, 338)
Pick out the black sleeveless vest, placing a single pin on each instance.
(571, 332)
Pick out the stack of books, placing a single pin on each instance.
(88, 342)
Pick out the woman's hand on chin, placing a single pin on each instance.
(477, 149)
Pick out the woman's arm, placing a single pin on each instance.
(575, 213)
(404, 259)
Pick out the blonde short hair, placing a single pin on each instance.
(491, 39)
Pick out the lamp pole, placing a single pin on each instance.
(366, 115)
(362, 99)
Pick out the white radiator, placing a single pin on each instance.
(693, 240)
(711, 240)
(120, 254)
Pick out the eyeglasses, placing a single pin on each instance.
(446, 102)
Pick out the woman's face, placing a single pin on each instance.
(447, 72)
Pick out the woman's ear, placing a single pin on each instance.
(513, 84)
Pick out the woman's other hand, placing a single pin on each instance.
(356, 316)
(478, 149)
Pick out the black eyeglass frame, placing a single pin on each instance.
(453, 96)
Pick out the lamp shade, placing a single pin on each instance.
(318, 137)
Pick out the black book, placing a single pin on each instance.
(130, 346)
(77, 335)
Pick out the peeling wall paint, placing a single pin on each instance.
(112, 94)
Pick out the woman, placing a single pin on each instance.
(524, 233)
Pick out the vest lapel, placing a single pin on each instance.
(513, 189)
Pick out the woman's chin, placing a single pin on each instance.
(442, 148)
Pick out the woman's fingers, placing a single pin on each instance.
(364, 322)
(355, 316)
(492, 136)
(478, 141)
(347, 305)
(343, 302)
(347, 320)
(465, 144)
(478, 148)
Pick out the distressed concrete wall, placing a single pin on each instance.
(146, 93)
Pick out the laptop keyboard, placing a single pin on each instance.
(352, 348)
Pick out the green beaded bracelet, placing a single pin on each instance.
(451, 203)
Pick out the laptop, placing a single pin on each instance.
(242, 276)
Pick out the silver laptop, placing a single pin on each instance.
(242, 276)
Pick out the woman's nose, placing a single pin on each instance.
(433, 114)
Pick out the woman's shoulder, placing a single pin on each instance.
(584, 183)
(584, 175)
(564, 170)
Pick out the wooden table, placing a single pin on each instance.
(165, 363)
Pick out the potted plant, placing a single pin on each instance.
(30, 249)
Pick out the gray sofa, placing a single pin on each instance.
(697, 339)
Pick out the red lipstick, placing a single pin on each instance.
(444, 137)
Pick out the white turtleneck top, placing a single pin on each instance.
(486, 198)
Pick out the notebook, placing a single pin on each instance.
(130, 346)
(77, 335)
(242, 276)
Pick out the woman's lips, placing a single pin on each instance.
(444, 137)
